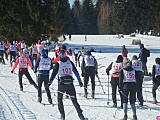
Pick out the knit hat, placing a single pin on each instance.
(43, 53)
(119, 58)
(157, 60)
(141, 46)
(88, 53)
(62, 55)
(63, 47)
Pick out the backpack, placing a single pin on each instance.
(147, 53)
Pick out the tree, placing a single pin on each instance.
(76, 10)
(88, 18)
(59, 20)
(29, 19)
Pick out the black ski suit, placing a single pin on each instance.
(156, 80)
(137, 65)
(127, 87)
(44, 64)
(143, 58)
(89, 70)
(115, 81)
(127, 84)
(65, 85)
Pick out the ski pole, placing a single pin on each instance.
(108, 91)
(36, 78)
(100, 83)
(64, 93)
(88, 89)
(123, 94)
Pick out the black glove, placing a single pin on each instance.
(47, 86)
(107, 72)
(96, 72)
(35, 71)
(11, 71)
(82, 74)
(80, 84)
(120, 89)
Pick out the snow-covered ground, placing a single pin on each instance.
(17, 105)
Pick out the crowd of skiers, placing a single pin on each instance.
(126, 75)
(62, 66)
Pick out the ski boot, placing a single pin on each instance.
(21, 89)
(134, 117)
(39, 99)
(85, 95)
(62, 117)
(50, 100)
(125, 117)
(154, 100)
(114, 104)
(92, 95)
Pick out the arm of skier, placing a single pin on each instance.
(109, 68)
(96, 65)
(15, 65)
(121, 80)
(29, 63)
(51, 67)
(153, 74)
(30, 58)
(83, 67)
(77, 74)
(36, 65)
(54, 73)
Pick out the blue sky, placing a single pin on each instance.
(72, 1)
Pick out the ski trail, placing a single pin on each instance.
(16, 108)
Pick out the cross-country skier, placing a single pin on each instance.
(43, 66)
(40, 47)
(2, 51)
(124, 51)
(34, 52)
(155, 78)
(23, 63)
(12, 52)
(115, 68)
(127, 86)
(137, 66)
(76, 53)
(64, 69)
(143, 58)
(89, 69)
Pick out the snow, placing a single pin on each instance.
(17, 105)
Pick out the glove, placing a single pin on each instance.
(107, 72)
(35, 71)
(80, 84)
(47, 86)
(120, 89)
(96, 72)
(82, 74)
(11, 71)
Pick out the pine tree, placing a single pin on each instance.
(88, 18)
